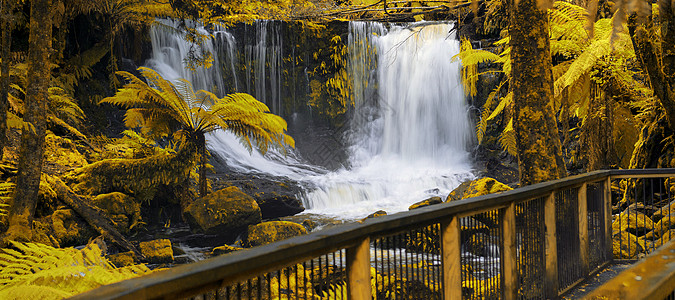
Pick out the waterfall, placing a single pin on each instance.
(411, 126)
(409, 129)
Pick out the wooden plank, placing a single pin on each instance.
(551, 248)
(651, 278)
(507, 218)
(451, 259)
(358, 270)
(640, 176)
(607, 202)
(583, 228)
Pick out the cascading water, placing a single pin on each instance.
(408, 133)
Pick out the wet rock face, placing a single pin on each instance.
(276, 197)
(270, 232)
(226, 212)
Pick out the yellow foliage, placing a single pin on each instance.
(177, 107)
(36, 271)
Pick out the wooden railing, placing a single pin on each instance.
(533, 242)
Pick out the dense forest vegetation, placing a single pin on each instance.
(93, 146)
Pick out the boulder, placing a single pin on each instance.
(122, 259)
(157, 251)
(664, 211)
(430, 201)
(654, 240)
(275, 196)
(270, 232)
(478, 187)
(224, 249)
(664, 224)
(275, 205)
(376, 214)
(226, 213)
(69, 229)
(626, 245)
(634, 222)
(121, 208)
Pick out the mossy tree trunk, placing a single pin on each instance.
(659, 65)
(538, 142)
(6, 22)
(33, 136)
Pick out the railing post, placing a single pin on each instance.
(451, 260)
(607, 205)
(583, 228)
(551, 281)
(358, 270)
(507, 218)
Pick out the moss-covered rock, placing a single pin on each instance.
(157, 251)
(270, 232)
(61, 154)
(226, 212)
(376, 214)
(121, 208)
(430, 201)
(478, 187)
(664, 211)
(626, 245)
(224, 249)
(634, 222)
(42, 233)
(122, 259)
(70, 229)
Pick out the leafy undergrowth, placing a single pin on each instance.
(37, 271)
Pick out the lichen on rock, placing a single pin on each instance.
(270, 232)
(157, 251)
(478, 187)
(226, 212)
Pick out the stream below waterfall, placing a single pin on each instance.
(408, 134)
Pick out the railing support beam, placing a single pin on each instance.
(509, 271)
(607, 205)
(583, 228)
(551, 281)
(358, 270)
(451, 259)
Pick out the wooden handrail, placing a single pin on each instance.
(238, 266)
(651, 278)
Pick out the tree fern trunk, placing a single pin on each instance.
(6, 19)
(539, 148)
(32, 137)
(201, 140)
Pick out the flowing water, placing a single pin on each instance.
(409, 131)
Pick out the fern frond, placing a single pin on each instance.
(36, 269)
(482, 123)
(503, 102)
(508, 139)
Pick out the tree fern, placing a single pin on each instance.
(162, 108)
(36, 271)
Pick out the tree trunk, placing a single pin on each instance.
(201, 143)
(660, 70)
(6, 27)
(33, 136)
(96, 218)
(538, 142)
